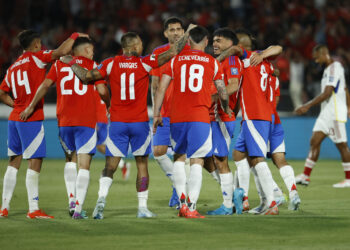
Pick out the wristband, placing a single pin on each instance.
(74, 36)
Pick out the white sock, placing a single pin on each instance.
(258, 185)
(70, 177)
(287, 174)
(121, 163)
(227, 188)
(142, 197)
(277, 192)
(105, 184)
(235, 181)
(215, 174)
(166, 165)
(194, 185)
(9, 184)
(243, 172)
(266, 180)
(179, 175)
(32, 184)
(81, 188)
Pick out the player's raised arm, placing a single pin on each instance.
(271, 51)
(177, 48)
(158, 101)
(40, 93)
(86, 76)
(233, 50)
(6, 98)
(317, 100)
(66, 46)
(222, 92)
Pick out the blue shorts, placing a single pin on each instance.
(78, 138)
(253, 137)
(192, 138)
(121, 134)
(222, 134)
(101, 129)
(276, 139)
(27, 139)
(162, 135)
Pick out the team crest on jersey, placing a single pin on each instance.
(234, 71)
(100, 66)
(153, 57)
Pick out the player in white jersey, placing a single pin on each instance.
(334, 99)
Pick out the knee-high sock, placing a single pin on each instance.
(216, 175)
(179, 175)
(70, 178)
(287, 174)
(309, 165)
(266, 180)
(32, 184)
(105, 184)
(81, 188)
(194, 185)
(243, 172)
(142, 198)
(166, 165)
(9, 184)
(258, 185)
(227, 188)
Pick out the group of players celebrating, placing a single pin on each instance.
(195, 100)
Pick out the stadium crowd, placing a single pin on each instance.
(296, 25)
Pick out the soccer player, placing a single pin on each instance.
(257, 118)
(335, 106)
(128, 75)
(193, 73)
(173, 30)
(76, 116)
(26, 139)
(222, 125)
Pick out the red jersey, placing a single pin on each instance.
(165, 111)
(254, 97)
(23, 78)
(129, 80)
(76, 104)
(101, 109)
(232, 68)
(193, 73)
(273, 93)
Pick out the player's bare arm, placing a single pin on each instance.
(40, 93)
(232, 86)
(104, 94)
(271, 51)
(154, 86)
(158, 101)
(177, 48)
(66, 46)
(6, 98)
(233, 50)
(317, 100)
(222, 92)
(86, 76)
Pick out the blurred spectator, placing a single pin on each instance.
(296, 78)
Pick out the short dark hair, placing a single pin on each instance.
(318, 47)
(127, 38)
(26, 37)
(171, 20)
(249, 34)
(198, 33)
(226, 33)
(81, 40)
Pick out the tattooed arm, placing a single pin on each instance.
(222, 92)
(86, 76)
(233, 50)
(177, 48)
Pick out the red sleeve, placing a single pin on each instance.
(233, 69)
(277, 89)
(52, 75)
(168, 70)
(155, 72)
(150, 62)
(219, 73)
(5, 85)
(105, 67)
(99, 81)
(45, 55)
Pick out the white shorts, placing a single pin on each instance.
(335, 130)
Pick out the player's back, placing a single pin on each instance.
(254, 95)
(129, 80)
(23, 79)
(76, 104)
(193, 73)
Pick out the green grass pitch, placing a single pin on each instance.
(323, 221)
